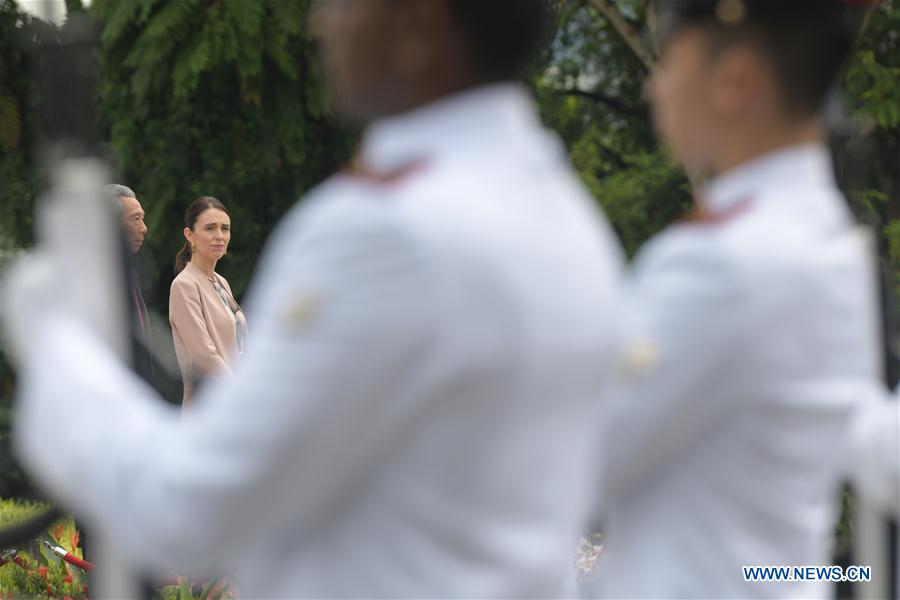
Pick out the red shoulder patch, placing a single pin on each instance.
(384, 178)
(703, 216)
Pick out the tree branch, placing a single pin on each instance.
(613, 103)
(627, 31)
(613, 156)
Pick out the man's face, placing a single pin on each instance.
(133, 223)
(681, 96)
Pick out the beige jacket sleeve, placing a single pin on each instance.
(190, 329)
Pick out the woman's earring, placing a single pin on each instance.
(193, 247)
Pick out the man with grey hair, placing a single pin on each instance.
(131, 216)
(130, 212)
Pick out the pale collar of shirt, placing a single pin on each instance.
(481, 116)
(802, 167)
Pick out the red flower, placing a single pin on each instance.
(42, 571)
(75, 537)
(58, 531)
(67, 598)
(68, 579)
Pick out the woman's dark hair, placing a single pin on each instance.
(193, 212)
(504, 35)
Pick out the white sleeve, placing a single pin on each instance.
(342, 313)
(682, 318)
(874, 456)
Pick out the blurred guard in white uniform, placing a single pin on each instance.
(416, 413)
(752, 327)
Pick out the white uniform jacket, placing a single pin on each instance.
(751, 333)
(416, 412)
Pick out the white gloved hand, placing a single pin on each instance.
(33, 291)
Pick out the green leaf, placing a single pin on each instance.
(184, 590)
(204, 595)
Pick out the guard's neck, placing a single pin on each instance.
(744, 146)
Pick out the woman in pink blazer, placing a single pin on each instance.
(208, 325)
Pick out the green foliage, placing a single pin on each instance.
(18, 127)
(16, 510)
(872, 90)
(892, 235)
(640, 200)
(33, 571)
(590, 92)
(872, 78)
(219, 98)
(874, 85)
(217, 588)
(41, 579)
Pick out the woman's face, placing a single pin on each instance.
(211, 234)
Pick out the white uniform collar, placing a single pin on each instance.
(807, 166)
(492, 112)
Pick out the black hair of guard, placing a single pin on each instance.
(838, 17)
(505, 35)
